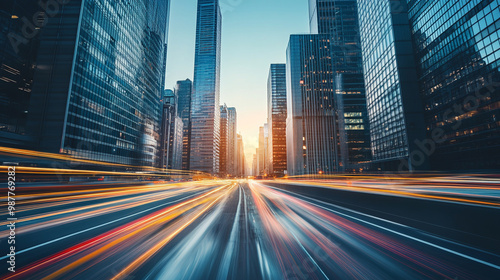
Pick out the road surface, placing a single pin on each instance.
(362, 229)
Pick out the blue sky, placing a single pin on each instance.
(255, 34)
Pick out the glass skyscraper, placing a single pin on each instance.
(205, 113)
(223, 154)
(99, 80)
(184, 90)
(172, 132)
(311, 144)
(232, 139)
(276, 118)
(339, 19)
(457, 46)
(394, 105)
(240, 157)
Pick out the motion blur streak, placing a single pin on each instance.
(332, 228)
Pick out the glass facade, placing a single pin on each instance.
(276, 118)
(223, 164)
(171, 133)
(394, 105)
(205, 113)
(98, 93)
(241, 156)
(457, 45)
(18, 53)
(339, 19)
(232, 147)
(311, 114)
(184, 90)
(261, 152)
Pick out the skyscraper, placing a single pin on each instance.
(205, 113)
(458, 56)
(223, 154)
(184, 90)
(394, 105)
(276, 118)
(261, 152)
(232, 141)
(97, 88)
(266, 149)
(241, 157)
(171, 133)
(310, 129)
(339, 19)
(255, 164)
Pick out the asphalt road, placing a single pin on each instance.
(255, 230)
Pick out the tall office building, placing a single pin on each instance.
(232, 141)
(261, 152)
(205, 113)
(223, 154)
(394, 105)
(266, 150)
(184, 90)
(311, 124)
(241, 166)
(18, 61)
(276, 118)
(171, 133)
(98, 79)
(339, 19)
(255, 164)
(458, 56)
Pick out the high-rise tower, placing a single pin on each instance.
(394, 105)
(96, 91)
(205, 112)
(276, 118)
(184, 91)
(339, 19)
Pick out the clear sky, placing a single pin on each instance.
(255, 34)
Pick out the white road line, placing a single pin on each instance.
(96, 227)
(396, 232)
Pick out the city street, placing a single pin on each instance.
(344, 228)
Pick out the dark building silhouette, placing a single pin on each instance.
(184, 91)
(458, 56)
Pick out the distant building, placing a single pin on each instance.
(172, 132)
(311, 137)
(205, 113)
(394, 104)
(241, 165)
(177, 144)
(184, 90)
(266, 150)
(276, 118)
(458, 57)
(232, 142)
(255, 164)
(223, 154)
(261, 152)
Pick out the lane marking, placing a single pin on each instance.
(397, 233)
(98, 226)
